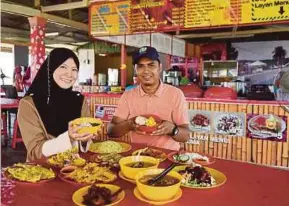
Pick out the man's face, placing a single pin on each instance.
(148, 71)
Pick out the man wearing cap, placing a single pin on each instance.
(152, 96)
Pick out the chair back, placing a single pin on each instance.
(10, 91)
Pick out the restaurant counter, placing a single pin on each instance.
(246, 184)
(242, 148)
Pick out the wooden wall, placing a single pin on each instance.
(239, 148)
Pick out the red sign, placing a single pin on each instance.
(104, 112)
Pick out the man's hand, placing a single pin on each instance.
(135, 127)
(164, 128)
(75, 136)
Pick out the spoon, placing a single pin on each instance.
(161, 175)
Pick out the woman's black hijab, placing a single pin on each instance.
(56, 106)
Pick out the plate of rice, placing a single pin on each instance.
(107, 147)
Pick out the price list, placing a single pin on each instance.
(201, 13)
(146, 15)
(110, 18)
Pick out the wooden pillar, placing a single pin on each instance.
(37, 35)
(123, 66)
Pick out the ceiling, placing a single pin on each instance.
(15, 27)
(71, 22)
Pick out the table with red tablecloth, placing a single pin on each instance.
(247, 184)
(8, 106)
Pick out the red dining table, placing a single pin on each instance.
(6, 106)
(247, 185)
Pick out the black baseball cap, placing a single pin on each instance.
(146, 51)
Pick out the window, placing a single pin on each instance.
(7, 62)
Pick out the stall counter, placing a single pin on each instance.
(242, 148)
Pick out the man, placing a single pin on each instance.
(152, 96)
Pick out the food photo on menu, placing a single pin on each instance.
(229, 123)
(200, 121)
(269, 127)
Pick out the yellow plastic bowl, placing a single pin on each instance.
(89, 129)
(155, 193)
(130, 172)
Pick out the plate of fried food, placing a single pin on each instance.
(107, 160)
(199, 177)
(98, 194)
(151, 152)
(29, 173)
(108, 147)
(69, 157)
(89, 174)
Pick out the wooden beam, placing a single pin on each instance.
(15, 42)
(28, 12)
(65, 6)
(37, 4)
(223, 34)
(70, 11)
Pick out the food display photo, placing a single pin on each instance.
(229, 123)
(200, 121)
(269, 127)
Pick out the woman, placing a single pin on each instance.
(46, 112)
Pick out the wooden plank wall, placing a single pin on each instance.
(107, 101)
(239, 148)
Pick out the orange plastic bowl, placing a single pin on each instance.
(150, 129)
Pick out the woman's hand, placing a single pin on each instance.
(75, 136)
(164, 128)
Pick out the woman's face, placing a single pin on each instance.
(66, 74)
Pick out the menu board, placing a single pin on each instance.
(201, 13)
(109, 18)
(267, 127)
(223, 123)
(145, 16)
(254, 11)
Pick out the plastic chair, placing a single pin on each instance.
(16, 135)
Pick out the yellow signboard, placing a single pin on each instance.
(202, 13)
(109, 18)
(254, 11)
(206, 13)
(143, 16)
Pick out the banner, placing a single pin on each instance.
(104, 112)
(145, 16)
